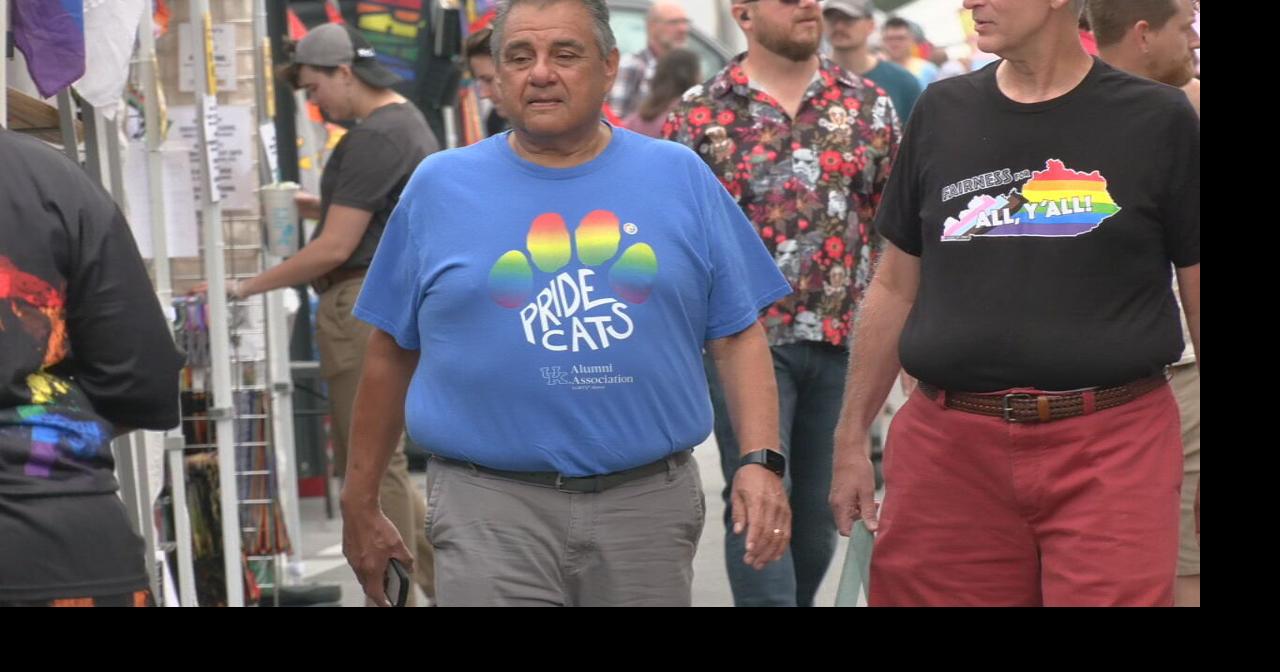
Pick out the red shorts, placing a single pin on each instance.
(1075, 512)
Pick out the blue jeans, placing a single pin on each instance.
(810, 380)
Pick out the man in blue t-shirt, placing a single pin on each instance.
(540, 302)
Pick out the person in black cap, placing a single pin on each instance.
(849, 26)
(359, 188)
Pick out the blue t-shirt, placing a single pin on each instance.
(561, 313)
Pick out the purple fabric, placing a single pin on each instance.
(50, 34)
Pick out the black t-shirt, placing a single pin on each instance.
(495, 123)
(370, 167)
(1045, 231)
(84, 349)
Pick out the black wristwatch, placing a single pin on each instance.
(769, 459)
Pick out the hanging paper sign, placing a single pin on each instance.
(209, 115)
(267, 135)
(224, 58)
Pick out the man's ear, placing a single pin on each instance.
(1142, 30)
(611, 67)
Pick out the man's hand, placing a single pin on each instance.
(308, 205)
(369, 541)
(368, 538)
(760, 506)
(873, 366)
(762, 511)
(853, 485)
(234, 289)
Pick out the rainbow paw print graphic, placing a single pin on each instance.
(572, 311)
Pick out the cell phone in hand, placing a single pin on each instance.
(395, 583)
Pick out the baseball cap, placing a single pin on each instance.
(858, 9)
(334, 44)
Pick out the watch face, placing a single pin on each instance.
(775, 462)
(769, 459)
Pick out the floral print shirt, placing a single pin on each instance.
(810, 184)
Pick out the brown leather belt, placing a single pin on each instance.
(1045, 407)
(338, 275)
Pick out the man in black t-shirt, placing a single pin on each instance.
(1035, 212)
(479, 55)
(85, 355)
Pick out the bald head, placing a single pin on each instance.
(668, 26)
(666, 9)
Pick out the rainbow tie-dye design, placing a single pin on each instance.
(392, 27)
(1055, 202)
(511, 280)
(82, 438)
(548, 243)
(598, 237)
(597, 240)
(632, 277)
(54, 424)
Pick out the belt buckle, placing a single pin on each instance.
(594, 486)
(1008, 405)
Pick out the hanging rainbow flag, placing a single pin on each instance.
(479, 14)
(334, 12)
(50, 34)
(393, 27)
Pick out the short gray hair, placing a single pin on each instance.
(598, 10)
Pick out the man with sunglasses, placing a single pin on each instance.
(804, 147)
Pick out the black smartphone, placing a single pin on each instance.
(395, 583)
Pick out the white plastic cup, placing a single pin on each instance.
(280, 218)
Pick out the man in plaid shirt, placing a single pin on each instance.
(668, 28)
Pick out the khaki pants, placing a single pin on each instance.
(342, 339)
(502, 542)
(1186, 387)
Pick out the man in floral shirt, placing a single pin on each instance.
(805, 148)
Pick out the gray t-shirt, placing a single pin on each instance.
(369, 168)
